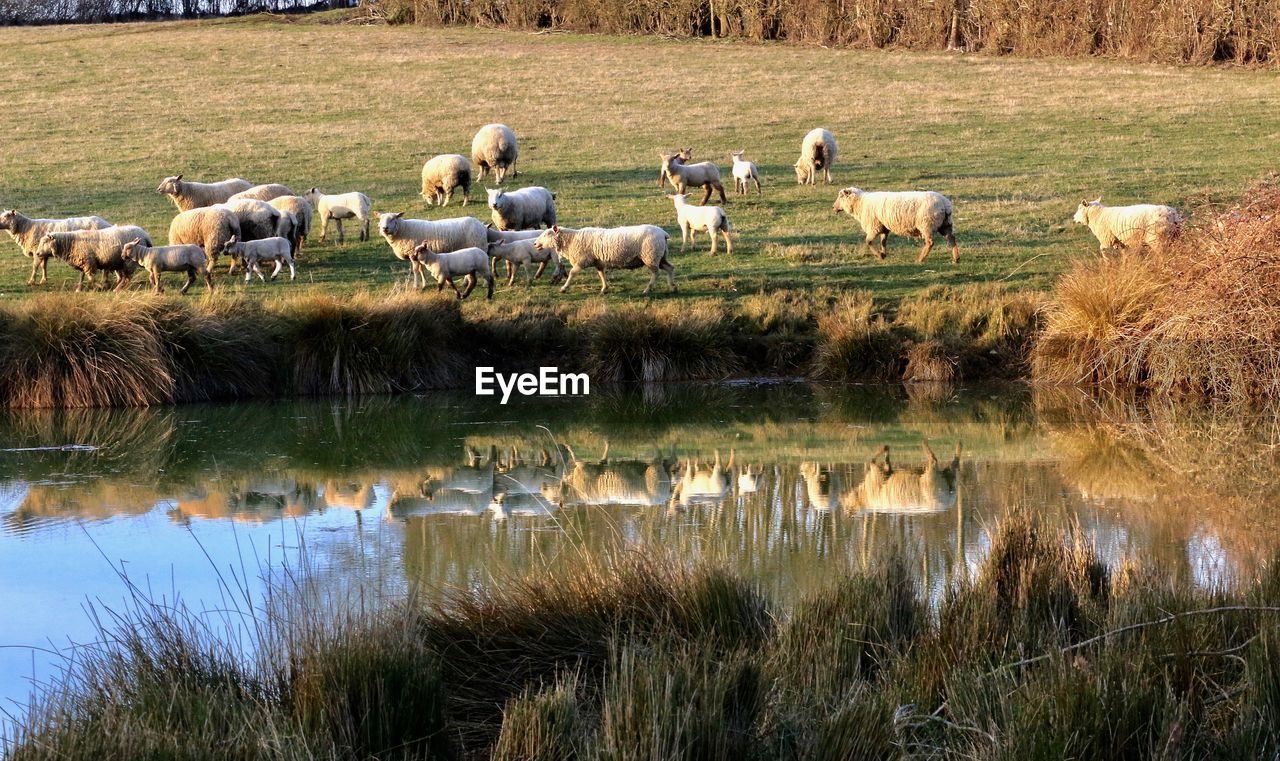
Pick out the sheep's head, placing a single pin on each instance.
(421, 252)
(549, 239)
(802, 172)
(847, 201)
(231, 246)
(736, 155)
(685, 155)
(47, 245)
(7, 218)
(389, 222)
(1082, 211)
(169, 186)
(495, 198)
(126, 253)
(678, 198)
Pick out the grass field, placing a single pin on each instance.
(97, 115)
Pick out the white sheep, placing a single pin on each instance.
(258, 219)
(264, 192)
(252, 252)
(522, 209)
(494, 147)
(817, 151)
(93, 251)
(1132, 227)
(338, 207)
(471, 263)
(518, 253)
(609, 248)
(403, 235)
(289, 228)
(692, 218)
(744, 172)
(27, 232)
(301, 210)
(442, 175)
(683, 175)
(915, 214)
(209, 227)
(189, 195)
(187, 258)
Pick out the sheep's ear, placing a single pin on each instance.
(135, 241)
(555, 228)
(178, 177)
(1098, 199)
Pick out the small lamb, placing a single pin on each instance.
(188, 258)
(517, 253)
(471, 263)
(251, 252)
(339, 207)
(692, 218)
(744, 172)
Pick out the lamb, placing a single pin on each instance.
(507, 236)
(744, 172)
(818, 151)
(251, 252)
(263, 192)
(521, 252)
(288, 228)
(258, 219)
(916, 214)
(494, 147)
(609, 248)
(187, 258)
(209, 227)
(521, 209)
(301, 209)
(91, 251)
(1130, 226)
(338, 207)
(694, 218)
(682, 175)
(442, 175)
(444, 267)
(28, 232)
(188, 195)
(403, 235)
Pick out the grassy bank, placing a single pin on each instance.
(1042, 653)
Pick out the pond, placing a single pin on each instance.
(788, 483)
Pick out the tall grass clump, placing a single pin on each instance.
(856, 341)
(656, 342)
(973, 331)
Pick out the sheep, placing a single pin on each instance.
(744, 172)
(188, 195)
(27, 232)
(403, 235)
(251, 252)
(301, 209)
(263, 192)
(612, 248)
(495, 235)
(288, 228)
(444, 267)
(442, 175)
(521, 252)
(91, 251)
(258, 219)
(521, 209)
(187, 258)
(818, 151)
(338, 207)
(682, 175)
(1130, 226)
(694, 218)
(494, 147)
(209, 227)
(916, 214)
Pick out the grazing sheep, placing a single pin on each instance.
(818, 151)
(609, 248)
(494, 147)
(704, 174)
(187, 258)
(28, 232)
(338, 207)
(744, 172)
(252, 252)
(444, 267)
(526, 208)
(403, 235)
(442, 175)
(263, 192)
(301, 209)
(916, 214)
(210, 228)
(517, 253)
(258, 219)
(694, 218)
(91, 251)
(193, 195)
(1130, 226)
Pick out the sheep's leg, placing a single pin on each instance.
(276, 271)
(955, 249)
(80, 282)
(258, 270)
(706, 193)
(542, 266)
(575, 269)
(293, 273)
(500, 172)
(511, 275)
(870, 242)
(720, 187)
(191, 280)
(757, 181)
(35, 267)
(826, 172)
(604, 284)
(448, 196)
(342, 238)
(324, 226)
(208, 278)
(489, 294)
(712, 232)
(440, 284)
(924, 252)
(684, 237)
(728, 242)
(884, 243)
(653, 278)
(364, 229)
(671, 273)
(470, 280)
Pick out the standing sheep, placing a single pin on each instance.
(526, 208)
(91, 251)
(470, 263)
(494, 147)
(289, 228)
(442, 175)
(263, 192)
(1130, 226)
(338, 207)
(27, 233)
(190, 259)
(210, 228)
(703, 174)
(694, 218)
(258, 219)
(301, 210)
(252, 252)
(915, 214)
(609, 248)
(518, 253)
(744, 172)
(818, 151)
(193, 195)
(403, 235)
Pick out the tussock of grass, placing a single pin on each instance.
(634, 342)
(856, 342)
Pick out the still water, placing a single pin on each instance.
(788, 483)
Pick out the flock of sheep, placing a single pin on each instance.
(256, 225)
